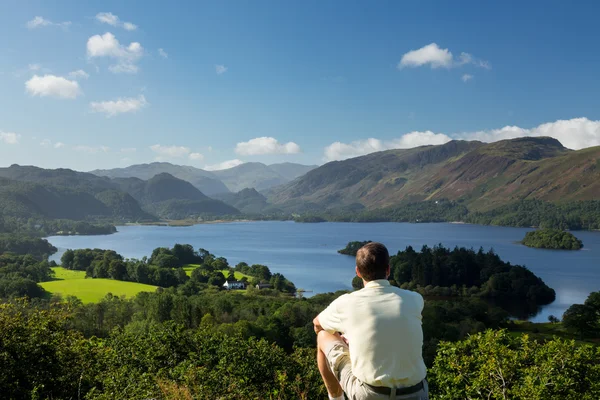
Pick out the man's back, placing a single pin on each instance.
(382, 324)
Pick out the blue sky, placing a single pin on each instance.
(85, 86)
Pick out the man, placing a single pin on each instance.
(370, 341)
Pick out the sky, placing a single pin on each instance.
(212, 84)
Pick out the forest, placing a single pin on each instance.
(466, 272)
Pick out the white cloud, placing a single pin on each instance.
(576, 133)
(224, 165)
(430, 54)
(91, 149)
(34, 67)
(170, 151)
(59, 145)
(124, 68)
(196, 156)
(39, 22)
(79, 74)
(466, 77)
(107, 45)
(46, 143)
(437, 57)
(163, 53)
(9, 137)
(128, 150)
(119, 106)
(220, 69)
(113, 20)
(54, 86)
(129, 26)
(341, 151)
(266, 145)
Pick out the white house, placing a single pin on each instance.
(234, 285)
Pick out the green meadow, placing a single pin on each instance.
(238, 275)
(73, 283)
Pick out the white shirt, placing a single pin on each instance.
(383, 326)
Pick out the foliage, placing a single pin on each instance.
(574, 215)
(352, 248)
(20, 274)
(552, 239)
(22, 244)
(496, 365)
(40, 357)
(584, 319)
(464, 272)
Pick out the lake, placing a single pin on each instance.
(307, 253)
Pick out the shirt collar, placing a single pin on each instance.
(377, 283)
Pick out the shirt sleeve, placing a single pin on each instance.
(330, 318)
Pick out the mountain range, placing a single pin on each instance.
(480, 175)
(248, 175)
(477, 176)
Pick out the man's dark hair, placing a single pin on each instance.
(372, 261)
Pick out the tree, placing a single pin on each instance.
(553, 319)
(593, 301)
(357, 283)
(117, 270)
(581, 319)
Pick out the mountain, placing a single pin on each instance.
(64, 193)
(482, 176)
(60, 177)
(260, 176)
(291, 171)
(204, 181)
(248, 201)
(33, 200)
(169, 197)
(248, 175)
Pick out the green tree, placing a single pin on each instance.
(582, 319)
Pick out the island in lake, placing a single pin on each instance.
(552, 239)
(352, 248)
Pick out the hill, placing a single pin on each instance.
(480, 176)
(248, 201)
(260, 176)
(204, 181)
(291, 171)
(250, 175)
(27, 191)
(172, 198)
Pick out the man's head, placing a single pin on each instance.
(373, 262)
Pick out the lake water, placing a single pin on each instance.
(307, 253)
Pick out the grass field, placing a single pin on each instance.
(91, 290)
(238, 275)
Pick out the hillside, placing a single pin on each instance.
(291, 171)
(172, 198)
(482, 176)
(248, 201)
(204, 181)
(26, 200)
(250, 175)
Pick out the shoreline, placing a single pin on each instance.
(178, 223)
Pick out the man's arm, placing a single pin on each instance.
(330, 319)
(317, 325)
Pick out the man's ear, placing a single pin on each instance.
(388, 271)
(358, 272)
